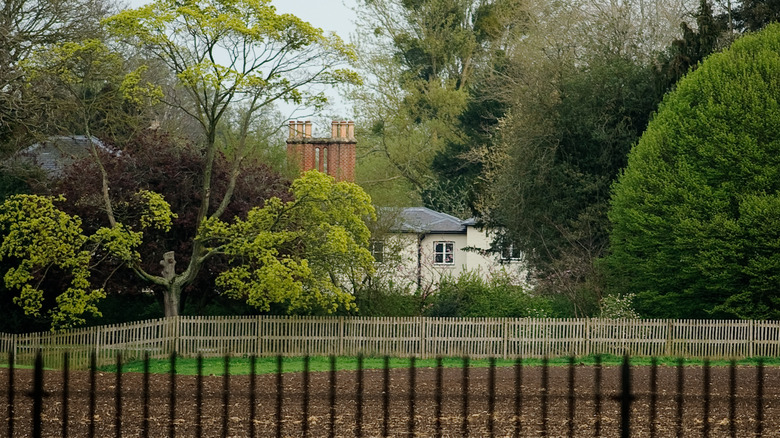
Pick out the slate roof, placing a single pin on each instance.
(425, 220)
(58, 152)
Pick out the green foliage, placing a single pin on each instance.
(85, 88)
(308, 252)
(238, 57)
(753, 15)
(618, 307)
(694, 212)
(40, 238)
(224, 51)
(380, 299)
(469, 295)
(696, 43)
(552, 168)
(30, 26)
(424, 59)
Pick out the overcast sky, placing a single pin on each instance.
(330, 15)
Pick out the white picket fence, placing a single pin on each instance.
(398, 337)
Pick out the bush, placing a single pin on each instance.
(388, 300)
(696, 213)
(470, 295)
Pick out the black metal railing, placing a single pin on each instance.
(570, 400)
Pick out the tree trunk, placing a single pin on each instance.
(171, 299)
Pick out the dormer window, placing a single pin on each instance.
(444, 253)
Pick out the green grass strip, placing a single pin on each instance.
(267, 365)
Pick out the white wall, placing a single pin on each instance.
(401, 258)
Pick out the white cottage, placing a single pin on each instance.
(423, 245)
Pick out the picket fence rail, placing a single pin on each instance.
(399, 337)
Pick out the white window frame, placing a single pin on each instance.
(509, 254)
(377, 247)
(444, 253)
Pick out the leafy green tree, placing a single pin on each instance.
(694, 214)
(161, 163)
(39, 240)
(28, 26)
(551, 191)
(696, 43)
(579, 88)
(753, 15)
(85, 88)
(224, 53)
(310, 252)
(424, 59)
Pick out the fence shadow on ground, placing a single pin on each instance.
(573, 400)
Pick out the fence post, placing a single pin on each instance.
(669, 328)
(341, 336)
(259, 346)
(505, 336)
(751, 338)
(423, 336)
(587, 337)
(15, 338)
(177, 330)
(97, 341)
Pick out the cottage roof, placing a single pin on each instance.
(425, 220)
(58, 152)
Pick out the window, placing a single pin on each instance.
(444, 253)
(377, 248)
(510, 254)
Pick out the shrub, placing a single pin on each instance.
(696, 213)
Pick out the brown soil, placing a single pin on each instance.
(239, 415)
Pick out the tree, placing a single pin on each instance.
(309, 253)
(42, 243)
(226, 52)
(85, 88)
(161, 163)
(580, 90)
(753, 15)
(27, 26)
(696, 43)
(423, 59)
(695, 213)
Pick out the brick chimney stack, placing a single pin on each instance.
(334, 156)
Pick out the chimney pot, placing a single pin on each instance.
(343, 129)
(351, 129)
(334, 129)
(299, 129)
(307, 133)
